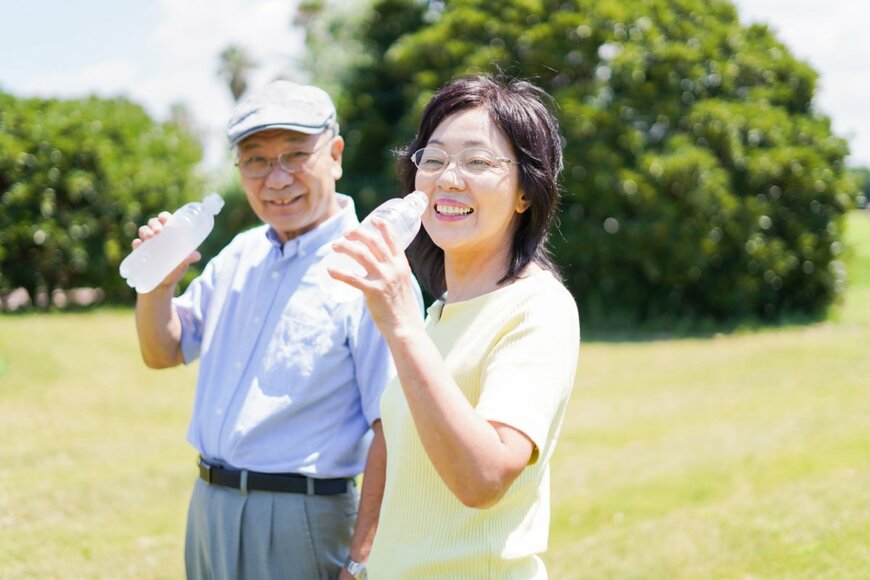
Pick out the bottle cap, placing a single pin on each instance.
(213, 203)
(418, 200)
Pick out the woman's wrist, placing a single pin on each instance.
(403, 332)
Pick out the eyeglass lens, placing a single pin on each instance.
(473, 160)
(291, 162)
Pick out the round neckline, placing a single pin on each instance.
(445, 307)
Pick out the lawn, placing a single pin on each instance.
(744, 455)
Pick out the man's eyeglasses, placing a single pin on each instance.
(472, 161)
(256, 166)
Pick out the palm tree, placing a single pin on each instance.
(235, 66)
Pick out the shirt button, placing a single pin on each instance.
(275, 275)
(238, 365)
(256, 320)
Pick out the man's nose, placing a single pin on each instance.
(278, 176)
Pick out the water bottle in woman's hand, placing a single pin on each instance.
(149, 264)
(403, 217)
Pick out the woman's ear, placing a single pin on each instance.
(523, 202)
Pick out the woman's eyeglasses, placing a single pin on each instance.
(471, 161)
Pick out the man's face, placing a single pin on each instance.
(297, 195)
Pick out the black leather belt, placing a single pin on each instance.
(279, 482)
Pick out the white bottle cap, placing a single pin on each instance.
(418, 200)
(213, 203)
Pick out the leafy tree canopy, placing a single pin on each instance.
(77, 178)
(700, 182)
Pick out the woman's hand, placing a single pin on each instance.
(388, 287)
(153, 228)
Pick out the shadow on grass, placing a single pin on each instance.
(19, 302)
(616, 328)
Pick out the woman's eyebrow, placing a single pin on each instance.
(469, 143)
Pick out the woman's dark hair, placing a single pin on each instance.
(518, 108)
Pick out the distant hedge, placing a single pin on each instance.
(77, 178)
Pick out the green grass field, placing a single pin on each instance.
(742, 456)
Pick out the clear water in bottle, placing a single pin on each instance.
(403, 215)
(150, 263)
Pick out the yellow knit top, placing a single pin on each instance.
(514, 353)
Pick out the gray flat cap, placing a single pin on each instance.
(282, 105)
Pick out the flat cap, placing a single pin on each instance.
(282, 105)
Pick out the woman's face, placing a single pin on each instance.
(474, 203)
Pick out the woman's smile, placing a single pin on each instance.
(451, 210)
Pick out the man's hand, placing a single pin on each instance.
(153, 228)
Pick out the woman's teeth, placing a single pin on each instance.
(453, 210)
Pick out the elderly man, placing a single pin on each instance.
(286, 411)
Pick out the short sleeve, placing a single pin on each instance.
(529, 373)
(191, 307)
(373, 365)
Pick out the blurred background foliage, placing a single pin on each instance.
(77, 178)
(700, 186)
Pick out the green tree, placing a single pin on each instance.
(235, 217)
(862, 176)
(346, 48)
(235, 67)
(700, 182)
(77, 178)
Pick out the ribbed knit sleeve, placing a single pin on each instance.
(529, 372)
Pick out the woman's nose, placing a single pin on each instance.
(451, 176)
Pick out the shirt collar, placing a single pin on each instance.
(311, 241)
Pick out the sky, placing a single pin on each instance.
(161, 52)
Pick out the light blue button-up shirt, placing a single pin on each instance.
(289, 379)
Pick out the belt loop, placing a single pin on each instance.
(243, 482)
(309, 482)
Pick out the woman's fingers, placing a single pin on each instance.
(357, 252)
(387, 236)
(374, 241)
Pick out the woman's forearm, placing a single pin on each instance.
(476, 459)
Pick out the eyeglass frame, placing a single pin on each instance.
(458, 161)
(272, 161)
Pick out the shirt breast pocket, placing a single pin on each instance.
(301, 341)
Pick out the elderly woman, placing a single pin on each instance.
(472, 418)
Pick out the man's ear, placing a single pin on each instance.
(336, 149)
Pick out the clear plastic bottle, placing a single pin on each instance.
(150, 263)
(403, 215)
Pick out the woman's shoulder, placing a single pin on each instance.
(543, 286)
(539, 296)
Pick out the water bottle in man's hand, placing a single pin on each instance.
(150, 263)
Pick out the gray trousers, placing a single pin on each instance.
(262, 535)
